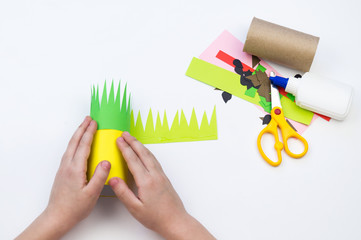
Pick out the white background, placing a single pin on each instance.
(52, 51)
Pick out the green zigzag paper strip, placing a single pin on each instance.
(110, 113)
(180, 130)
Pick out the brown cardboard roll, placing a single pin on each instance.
(282, 45)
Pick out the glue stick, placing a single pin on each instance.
(330, 98)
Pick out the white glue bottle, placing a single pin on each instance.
(329, 98)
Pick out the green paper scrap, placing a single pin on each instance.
(220, 78)
(251, 92)
(110, 113)
(180, 130)
(230, 82)
(292, 111)
(262, 82)
(261, 68)
(290, 96)
(267, 106)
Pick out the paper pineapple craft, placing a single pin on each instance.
(113, 117)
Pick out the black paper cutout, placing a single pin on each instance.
(226, 96)
(266, 119)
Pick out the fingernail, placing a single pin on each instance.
(120, 139)
(105, 165)
(113, 181)
(125, 134)
(92, 123)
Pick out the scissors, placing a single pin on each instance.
(278, 121)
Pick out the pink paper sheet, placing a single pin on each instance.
(234, 47)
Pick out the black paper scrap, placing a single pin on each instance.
(266, 119)
(226, 96)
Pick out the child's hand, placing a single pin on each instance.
(72, 198)
(157, 205)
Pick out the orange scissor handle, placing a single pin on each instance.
(278, 120)
(272, 129)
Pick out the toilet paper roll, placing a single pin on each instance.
(282, 45)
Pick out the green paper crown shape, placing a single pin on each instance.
(180, 130)
(110, 113)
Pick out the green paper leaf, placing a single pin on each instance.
(149, 126)
(108, 113)
(138, 130)
(251, 92)
(165, 127)
(261, 68)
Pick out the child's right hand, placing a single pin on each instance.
(157, 205)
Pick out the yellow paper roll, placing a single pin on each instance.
(105, 148)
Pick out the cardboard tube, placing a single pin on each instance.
(281, 45)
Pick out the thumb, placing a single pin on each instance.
(124, 194)
(99, 178)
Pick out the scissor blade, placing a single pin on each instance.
(275, 94)
(275, 97)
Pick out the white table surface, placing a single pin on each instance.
(52, 51)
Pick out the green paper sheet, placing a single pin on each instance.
(251, 92)
(180, 130)
(292, 111)
(219, 78)
(290, 96)
(230, 82)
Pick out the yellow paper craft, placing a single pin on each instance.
(113, 117)
(105, 148)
